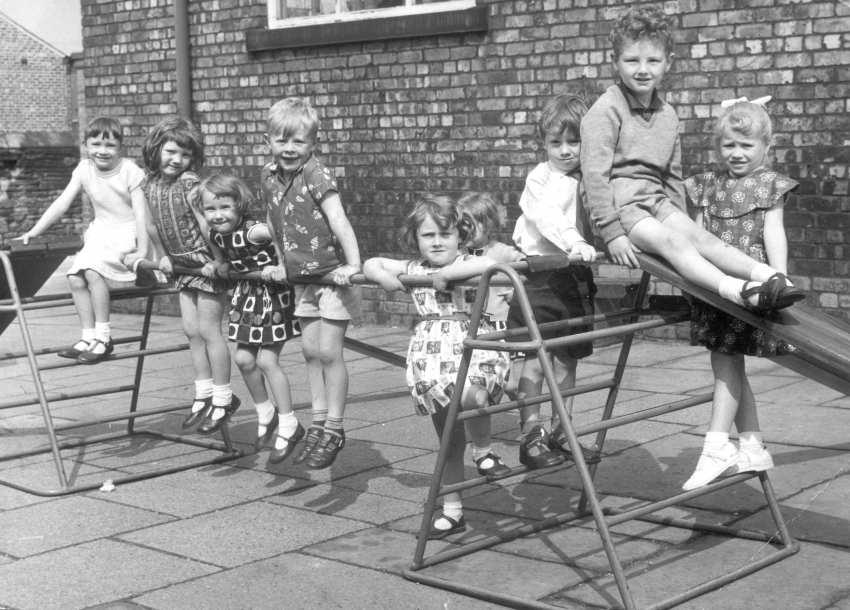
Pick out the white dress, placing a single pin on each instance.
(112, 233)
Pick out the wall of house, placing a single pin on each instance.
(454, 113)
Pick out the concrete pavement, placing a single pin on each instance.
(246, 534)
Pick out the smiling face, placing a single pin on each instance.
(221, 213)
(438, 246)
(562, 151)
(174, 159)
(104, 151)
(641, 65)
(291, 150)
(742, 155)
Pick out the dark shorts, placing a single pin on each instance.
(559, 295)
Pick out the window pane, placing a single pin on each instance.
(362, 5)
(305, 8)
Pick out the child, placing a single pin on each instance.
(485, 220)
(743, 205)
(314, 237)
(631, 168)
(549, 224)
(112, 184)
(261, 314)
(435, 228)
(171, 151)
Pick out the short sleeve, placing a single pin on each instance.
(319, 180)
(134, 175)
(698, 190)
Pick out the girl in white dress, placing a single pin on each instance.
(112, 184)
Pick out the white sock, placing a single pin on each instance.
(761, 272)
(265, 413)
(222, 395)
(750, 439)
(286, 428)
(453, 509)
(87, 335)
(730, 288)
(102, 331)
(478, 453)
(715, 441)
(203, 390)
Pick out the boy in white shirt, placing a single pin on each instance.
(549, 225)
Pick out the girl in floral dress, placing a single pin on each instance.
(436, 228)
(743, 205)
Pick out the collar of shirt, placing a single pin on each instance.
(635, 106)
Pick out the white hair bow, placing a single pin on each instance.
(759, 101)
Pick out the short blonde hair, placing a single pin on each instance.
(291, 114)
(747, 119)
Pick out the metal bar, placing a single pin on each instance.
(375, 352)
(67, 396)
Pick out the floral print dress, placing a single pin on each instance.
(733, 209)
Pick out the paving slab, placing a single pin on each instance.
(37, 528)
(240, 534)
(294, 580)
(91, 573)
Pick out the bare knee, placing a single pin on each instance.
(77, 282)
(245, 360)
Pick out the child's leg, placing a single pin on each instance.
(198, 353)
(311, 331)
(726, 258)
(534, 451)
(210, 308)
(322, 342)
(530, 384)
(718, 453)
(289, 430)
(85, 311)
(100, 302)
(479, 430)
(451, 520)
(751, 455)
(246, 359)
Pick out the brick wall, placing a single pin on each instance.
(34, 83)
(454, 113)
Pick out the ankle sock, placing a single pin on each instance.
(334, 423)
(715, 441)
(761, 272)
(750, 440)
(478, 453)
(453, 510)
(203, 390)
(222, 395)
(287, 426)
(730, 288)
(102, 331)
(318, 418)
(265, 412)
(87, 335)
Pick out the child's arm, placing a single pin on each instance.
(143, 242)
(775, 240)
(544, 203)
(504, 253)
(341, 227)
(274, 273)
(461, 270)
(55, 210)
(600, 129)
(385, 272)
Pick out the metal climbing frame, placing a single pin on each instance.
(17, 306)
(623, 323)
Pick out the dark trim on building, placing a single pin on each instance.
(407, 26)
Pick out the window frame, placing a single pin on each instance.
(408, 9)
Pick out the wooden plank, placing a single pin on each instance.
(822, 341)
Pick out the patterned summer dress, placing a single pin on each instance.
(436, 346)
(734, 209)
(260, 313)
(176, 221)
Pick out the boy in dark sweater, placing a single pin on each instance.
(631, 168)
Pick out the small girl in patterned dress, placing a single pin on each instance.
(436, 228)
(261, 316)
(743, 205)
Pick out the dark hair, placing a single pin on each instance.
(104, 126)
(445, 213)
(483, 211)
(173, 129)
(639, 23)
(227, 185)
(562, 113)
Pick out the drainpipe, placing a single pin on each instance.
(181, 43)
